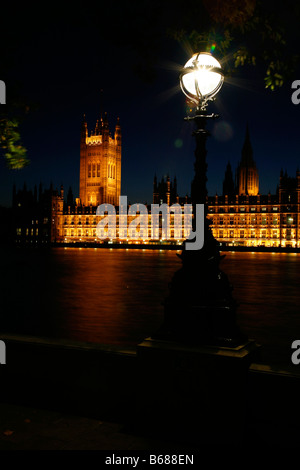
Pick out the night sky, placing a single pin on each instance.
(84, 60)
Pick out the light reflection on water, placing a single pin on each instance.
(115, 296)
(104, 295)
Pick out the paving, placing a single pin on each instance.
(72, 399)
(27, 428)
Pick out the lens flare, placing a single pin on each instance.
(222, 131)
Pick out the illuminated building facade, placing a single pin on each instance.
(35, 215)
(261, 220)
(240, 216)
(100, 183)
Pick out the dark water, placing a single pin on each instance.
(114, 296)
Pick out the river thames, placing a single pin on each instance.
(115, 296)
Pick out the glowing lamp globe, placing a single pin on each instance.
(202, 77)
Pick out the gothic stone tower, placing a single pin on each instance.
(247, 173)
(100, 164)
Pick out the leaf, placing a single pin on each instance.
(14, 152)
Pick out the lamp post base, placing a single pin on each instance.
(200, 308)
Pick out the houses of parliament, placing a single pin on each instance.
(240, 216)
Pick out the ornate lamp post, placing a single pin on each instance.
(194, 370)
(200, 308)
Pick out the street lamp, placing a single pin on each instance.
(198, 360)
(200, 308)
(202, 78)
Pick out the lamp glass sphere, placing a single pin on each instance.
(202, 77)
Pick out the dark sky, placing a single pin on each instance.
(63, 57)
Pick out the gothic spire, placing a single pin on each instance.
(247, 151)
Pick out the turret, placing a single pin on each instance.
(40, 192)
(173, 197)
(155, 190)
(247, 174)
(228, 183)
(35, 194)
(84, 132)
(105, 128)
(168, 191)
(118, 130)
